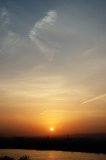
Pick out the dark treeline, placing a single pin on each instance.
(77, 144)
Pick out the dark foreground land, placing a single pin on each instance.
(10, 158)
(93, 144)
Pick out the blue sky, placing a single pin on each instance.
(53, 59)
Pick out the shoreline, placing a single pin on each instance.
(68, 144)
(58, 150)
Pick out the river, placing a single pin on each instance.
(51, 155)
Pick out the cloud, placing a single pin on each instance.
(4, 17)
(89, 52)
(94, 99)
(48, 20)
(36, 33)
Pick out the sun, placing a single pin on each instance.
(51, 129)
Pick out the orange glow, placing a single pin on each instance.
(51, 129)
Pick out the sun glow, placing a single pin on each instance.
(51, 129)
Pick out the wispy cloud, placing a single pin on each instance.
(94, 99)
(90, 51)
(49, 19)
(35, 33)
(4, 17)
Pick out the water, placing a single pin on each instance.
(51, 155)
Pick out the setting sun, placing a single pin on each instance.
(51, 129)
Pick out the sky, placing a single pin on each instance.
(52, 67)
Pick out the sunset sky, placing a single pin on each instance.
(52, 67)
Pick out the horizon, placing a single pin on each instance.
(52, 67)
(86, 135)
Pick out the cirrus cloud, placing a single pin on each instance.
(40, 26)
(4, 17)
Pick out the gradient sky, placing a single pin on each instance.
(52, 66)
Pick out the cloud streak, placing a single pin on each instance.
(48, 20)
(94, 99)
(36, 35)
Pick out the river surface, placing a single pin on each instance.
(51, 155)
